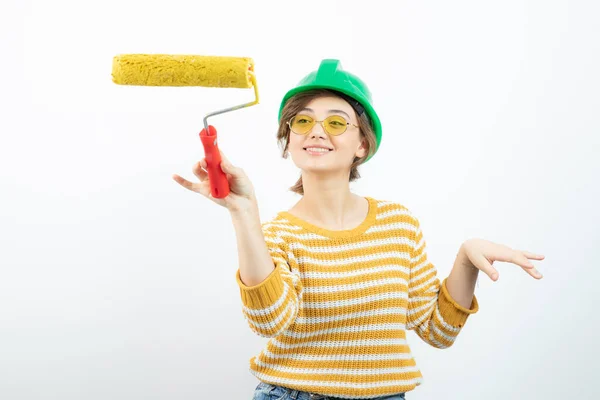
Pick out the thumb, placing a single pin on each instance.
(224, 158)
(226, 165)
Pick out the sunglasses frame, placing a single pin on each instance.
(289, 123)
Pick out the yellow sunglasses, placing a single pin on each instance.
(333, 125)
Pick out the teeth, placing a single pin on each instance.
(317, 149)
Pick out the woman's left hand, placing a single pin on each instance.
(481, 254)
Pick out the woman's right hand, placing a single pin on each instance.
(241, 192)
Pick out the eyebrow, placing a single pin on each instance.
(330, 111)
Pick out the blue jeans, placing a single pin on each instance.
(266, 391)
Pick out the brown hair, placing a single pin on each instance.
(297, 103)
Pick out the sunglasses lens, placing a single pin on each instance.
(301, 124)
(335, 125)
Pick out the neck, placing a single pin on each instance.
(328, 200)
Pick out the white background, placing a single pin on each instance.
(117, 283)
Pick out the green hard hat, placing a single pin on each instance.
(330, 75)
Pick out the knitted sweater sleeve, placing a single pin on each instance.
(271, 306)
(435, 316)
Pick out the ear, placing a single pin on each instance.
(362, 149)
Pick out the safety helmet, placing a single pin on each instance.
(330, 75)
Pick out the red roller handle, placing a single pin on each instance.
(219, 186)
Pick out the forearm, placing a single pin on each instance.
(255, 262)
(462, 279)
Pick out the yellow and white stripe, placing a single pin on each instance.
(338, 303)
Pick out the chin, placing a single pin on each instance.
(317, 166)
(307, 162)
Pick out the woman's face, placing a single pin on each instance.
(342, 149)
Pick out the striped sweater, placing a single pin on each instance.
(338, 304)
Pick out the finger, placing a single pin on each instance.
(506, 254)
(521, 260)
(185, 183)
(223, 156)
(204, 189)
(533, 256)
(228, 168)
(485, 266)
(199, 170)
(534, 272)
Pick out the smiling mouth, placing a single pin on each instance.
(318, 150)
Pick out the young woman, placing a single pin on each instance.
(337, 280)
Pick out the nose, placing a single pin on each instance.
(318, 131)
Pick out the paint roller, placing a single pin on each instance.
(192, 70)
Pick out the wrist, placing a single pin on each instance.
(463, 261)
(249, 210)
